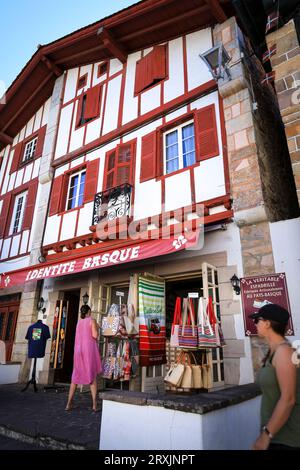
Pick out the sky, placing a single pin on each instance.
(27, 23)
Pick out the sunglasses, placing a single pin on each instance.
(256, 320)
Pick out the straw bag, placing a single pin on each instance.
(197, 373)
(187, 378)
(175, 374)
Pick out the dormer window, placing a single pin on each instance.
(30, 149)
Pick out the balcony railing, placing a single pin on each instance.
(112, 203)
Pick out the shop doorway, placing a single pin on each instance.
(8, 322)
(71, 299)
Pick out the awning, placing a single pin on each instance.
(101, 259)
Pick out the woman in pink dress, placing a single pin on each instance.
(87, 361)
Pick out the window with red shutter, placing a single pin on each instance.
(40, 142)
(150, 69)
(30, 204)
(89, 105)
(91, 181)
(16, 158)
(119, 165)
(207, 142)
(148, 157)
(4, 214)
(55, 199)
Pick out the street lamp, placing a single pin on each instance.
(235, 282)
(217, 60)
(85, 298)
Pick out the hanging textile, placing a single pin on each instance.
(152, 321)
(269, 53)
(272, 21)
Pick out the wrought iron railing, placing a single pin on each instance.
(112, 203)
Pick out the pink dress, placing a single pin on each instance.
(87, 361)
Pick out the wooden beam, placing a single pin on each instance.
(112, 45)
(51, 66)
(6, 139)
(25, 104)
(217, 10)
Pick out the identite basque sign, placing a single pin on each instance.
(257, 291)
(147, 249)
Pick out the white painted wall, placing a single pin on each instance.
(112, 105)
(130, 106)
(174, 86)
(285, 236)
(14, 264)
(71, 84)
(178, 191)
(133, 427)
(196, 43)
(63, 134)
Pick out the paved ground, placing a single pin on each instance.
(39, 419)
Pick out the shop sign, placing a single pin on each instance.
(257, 291)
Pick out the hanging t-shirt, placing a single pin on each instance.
(37, 335)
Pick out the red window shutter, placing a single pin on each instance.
(91, 181)
(159, 63)
(4, 214)
(148, 157)
(110, 165)
(79, 110)
(55, 200)
(16, 157)
(64, 192)
(92, 107)
(123, 172)
(207, 143)
(40, 142)
(30, 205)
(150, 68)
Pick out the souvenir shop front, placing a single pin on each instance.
(154, 313)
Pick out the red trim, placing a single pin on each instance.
(148, 117)
(185, 69)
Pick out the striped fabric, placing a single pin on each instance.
(152, 322)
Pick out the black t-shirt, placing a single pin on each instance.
(37, 335)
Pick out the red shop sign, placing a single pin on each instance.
(259, 290)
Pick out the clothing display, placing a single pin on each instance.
(37, 336)
(87, 361)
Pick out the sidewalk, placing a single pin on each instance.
(39, 418)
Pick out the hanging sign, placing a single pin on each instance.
(120, 294)
(257, 291)
(193, 295)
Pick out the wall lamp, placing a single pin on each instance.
(40, 305)
(217, 60)
(85, 298)
(235, 282)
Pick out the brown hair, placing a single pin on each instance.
(84, 311)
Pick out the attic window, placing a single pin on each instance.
(151, 69)
(102, 69)
(82, 82)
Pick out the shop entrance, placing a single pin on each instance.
(9, 308)
(72, 299)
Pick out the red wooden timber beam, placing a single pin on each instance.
(6, 139)
(112, 45)
(217, 10)
(51, 66)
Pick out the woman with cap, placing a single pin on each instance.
(279, 379)
(87, 361)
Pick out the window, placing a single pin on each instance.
(30, 149)
(76, 190)
(89, 105)
(119, 165)
(102, 69)
(179, 147)
(18, 213)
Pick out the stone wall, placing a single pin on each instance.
(286, 64)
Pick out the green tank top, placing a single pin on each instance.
(289, 434)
